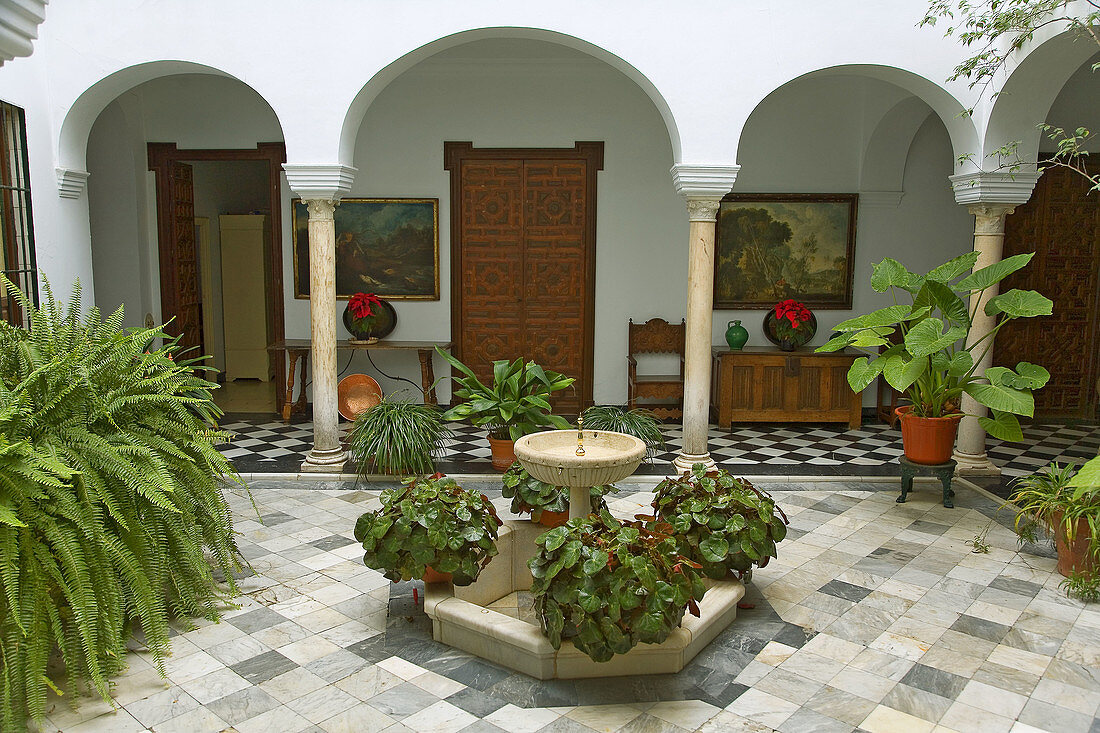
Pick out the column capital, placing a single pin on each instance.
(326, 182)
(71, 182)
(700, 209)
(320, 209)
(1012, 189)
(703, 181)
(990, 218)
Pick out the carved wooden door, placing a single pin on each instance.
(1061, 224)
(180, 293)
(523, 259)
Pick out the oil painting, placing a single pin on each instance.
(389, 247)
(771, 247)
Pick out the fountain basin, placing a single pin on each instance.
(550, 456)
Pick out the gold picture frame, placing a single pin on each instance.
(385, 246)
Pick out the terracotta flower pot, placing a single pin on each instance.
(927, 440)
(504, 453)
(1073, 556)
(553, 519)
(431, 575)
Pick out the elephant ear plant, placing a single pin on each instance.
(936, 362)
(111, 506)
(517, 402)
(720, 522)
(430, 522)
(611, 585)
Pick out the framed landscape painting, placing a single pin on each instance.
(389, 247)
(770, 247)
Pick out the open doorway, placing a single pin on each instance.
(220, 253)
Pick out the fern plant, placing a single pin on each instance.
(111, 512)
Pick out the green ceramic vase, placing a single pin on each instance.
(736, 335)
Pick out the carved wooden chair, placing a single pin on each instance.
(661, 393)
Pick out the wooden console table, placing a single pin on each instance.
(765, 384)
(297, 350)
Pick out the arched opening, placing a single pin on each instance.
(522, 94)
(158, 241)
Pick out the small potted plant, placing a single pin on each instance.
(547, 504)
(936, 362)
(639, 422)
(610, 585)
(430, 528)
(398, 437)
(515, 404)
(368, 318)
(1048, 500)
(789, 324)
(724, 524)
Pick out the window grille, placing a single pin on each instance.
(17, 259)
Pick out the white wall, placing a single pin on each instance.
(1077, 106)
(545, 99)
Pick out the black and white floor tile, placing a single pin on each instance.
(264, 444)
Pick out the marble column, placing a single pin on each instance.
(327, 455)
(697, 354)
(989, 237)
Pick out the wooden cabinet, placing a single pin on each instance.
(245, 313)
(760, 384)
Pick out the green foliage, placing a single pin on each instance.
(640, 423)
(611, 585)
(517, 403)
(397, 437)
(1083, 586)
(429, 522)
(110, 503)
(1049, 500)
(720, 522)
(997, 31)
(936, 362)
(528, 494)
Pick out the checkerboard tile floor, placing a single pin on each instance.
(263, 444)
(876, 617)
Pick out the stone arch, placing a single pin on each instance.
(356, 111)
(960, 128)
(888, 148)
(72, 145)
(1024, 100)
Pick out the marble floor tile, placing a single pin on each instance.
(887, 720)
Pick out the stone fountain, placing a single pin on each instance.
(578, 459)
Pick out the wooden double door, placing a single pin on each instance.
(523, 259)
(1061, 224)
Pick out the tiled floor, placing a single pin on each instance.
(265, 445)
(877, 616)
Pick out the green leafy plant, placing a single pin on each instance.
(1047, 502)
(516, 404)
(429, 522)
(1085, 586)
(111, 510)
(936, 362)
(528, 494)
(722, 523)
(639, 422)
(398, 437)
(611, 585)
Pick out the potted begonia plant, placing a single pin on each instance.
(516, 403)
(546, 503)
(430, 528)
(936, 362)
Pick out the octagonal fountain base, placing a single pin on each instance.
(461, 618)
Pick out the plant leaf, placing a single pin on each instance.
(993, 274)
(889, 274)
(1003, 426)
(1020, 304)
(1005, 399)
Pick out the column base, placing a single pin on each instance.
(683, 462)
(970, 464)
(329, 460)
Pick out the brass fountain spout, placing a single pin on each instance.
(580, 435)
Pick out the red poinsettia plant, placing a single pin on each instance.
(364, 305)
(790, 315)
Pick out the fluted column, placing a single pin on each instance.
(327, 454)
(702, 188)
(990, 197)
(321, 187)
(989, 239)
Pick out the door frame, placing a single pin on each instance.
(454, 154)
(161, 155)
